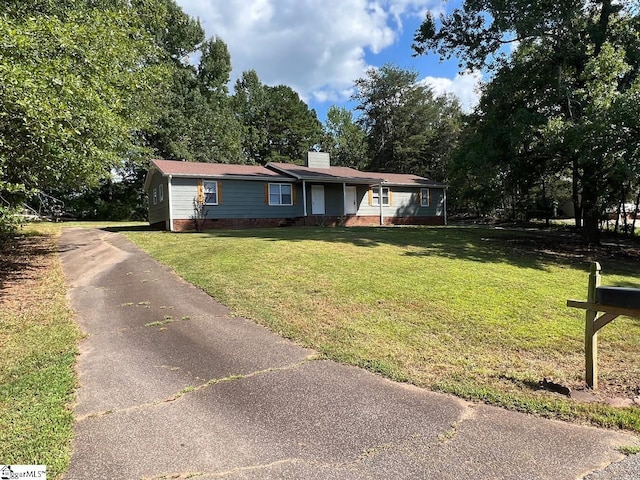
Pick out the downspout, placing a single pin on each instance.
(381, 202)
(169, 178)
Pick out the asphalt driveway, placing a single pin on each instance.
(171, 385)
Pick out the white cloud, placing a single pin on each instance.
(465, 87)
(317, 47)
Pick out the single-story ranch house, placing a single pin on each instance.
(237, 196)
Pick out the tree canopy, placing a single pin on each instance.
(568, 91)
(404, 121)
(276, 124)
(75, 87)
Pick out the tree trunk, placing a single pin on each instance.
(590, 216)
(635, 215)
(575, 195)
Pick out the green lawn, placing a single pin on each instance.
(476, 312)
(38, 344)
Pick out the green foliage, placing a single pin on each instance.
(73, 92)
(344, 139)
(408, 128)
(564, 103)
(276, 124)
(9, 223)
(215, 67)
(196, 124)
(120, 197)
(292, 129)
(250, 105)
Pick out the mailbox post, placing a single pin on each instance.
(611, 302)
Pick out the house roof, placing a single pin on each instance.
(331, 174)
(285, 172)
(409, 180)
(351, 175)
(199, 169)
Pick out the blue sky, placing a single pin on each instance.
(319, 47)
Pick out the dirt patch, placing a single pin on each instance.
(568, 245)
(22, 262)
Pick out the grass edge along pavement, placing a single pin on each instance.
(38, 340)
(314, 285)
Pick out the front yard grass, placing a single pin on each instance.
(38, 340)
(476, 312)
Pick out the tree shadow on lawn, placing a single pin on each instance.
(523, 248)
(20, 257)
(130, 228)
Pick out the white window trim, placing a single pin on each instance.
(425, 195)
(279, 185)
(204, 192)
(375, 201)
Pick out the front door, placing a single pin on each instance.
(350, 205)
(317, 199)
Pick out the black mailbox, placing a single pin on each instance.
(618, 297)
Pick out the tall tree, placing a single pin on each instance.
(197, 123)
(344, 139)
(249, 102)
(292, 128)
(401, 118)
(276, 124)
(589, 53)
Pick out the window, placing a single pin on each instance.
(375, 197)
(280, 194)
(155, 196)
(425, 197)
(161, 192)
(210, 190)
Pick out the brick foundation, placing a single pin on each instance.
(310, 221)
(236, 223)
(370, 221)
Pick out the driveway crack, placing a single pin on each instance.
(195, 388)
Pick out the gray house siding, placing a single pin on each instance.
(333, 198)
(158, 208)
(405, 202)
(237, 199)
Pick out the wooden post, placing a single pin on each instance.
(590, 333)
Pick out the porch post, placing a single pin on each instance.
(380, 201)
(304, 198)
(444, 192)
(344, 199)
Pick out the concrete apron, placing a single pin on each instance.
(171, 385)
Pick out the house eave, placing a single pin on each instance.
(147, 179)
(415, 185)
(257, 178)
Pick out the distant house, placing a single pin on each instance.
(279, 194)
